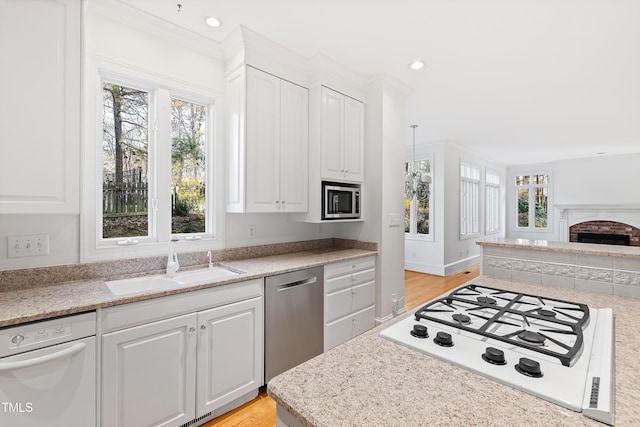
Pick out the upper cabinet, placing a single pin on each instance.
(40, 47)
(268, 143)
(342, 137)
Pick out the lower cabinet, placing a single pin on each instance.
(170, 371)
(149, 374)
(349, 300)
(227, 366)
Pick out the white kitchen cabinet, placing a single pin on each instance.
(230, 338)
(268, 143)
(342, 137)
(40, 106)
(171, 360)
(349, 301)
(149, 373)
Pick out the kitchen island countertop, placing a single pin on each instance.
(371, 381)
(621, 251)
(32, 303)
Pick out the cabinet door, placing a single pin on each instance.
(332, 134)
(353, 140)
(40, 106)
(230, 353)
(294, 147)
(148, 374)
(262, 141)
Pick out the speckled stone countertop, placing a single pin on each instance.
(567, 247)
(371, 381)
(20, 304)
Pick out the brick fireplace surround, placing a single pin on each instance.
(605, 228)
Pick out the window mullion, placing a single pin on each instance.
(161, 165)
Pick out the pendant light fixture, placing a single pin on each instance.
(417, 185)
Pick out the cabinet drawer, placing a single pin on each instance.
(346, 301)
(337, 332)
(363, 321)
(338, 304)
(348, 327)
(363, 295)
(349, 280)
(342, 268)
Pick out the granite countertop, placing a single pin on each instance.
(371, 381)
(567, 247)
(33, 303)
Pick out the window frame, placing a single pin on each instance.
(469, 202)
(492, 207)
(161, 90)
(531, 214)
(413, 234)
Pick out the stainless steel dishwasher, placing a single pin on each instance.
(294, 310)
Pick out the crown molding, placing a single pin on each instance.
(132, 17)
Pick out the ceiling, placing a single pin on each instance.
(517, 81)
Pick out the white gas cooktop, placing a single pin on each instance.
(557, 350)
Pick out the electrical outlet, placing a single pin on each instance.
(24, 246)
(251, 231)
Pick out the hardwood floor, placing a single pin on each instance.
(418, 288)
(260, 412)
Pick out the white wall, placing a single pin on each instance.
(448, 253)
(384, 172)
(594, 181)
(598, 180)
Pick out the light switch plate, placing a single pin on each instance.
(24, 246)
(394, 220)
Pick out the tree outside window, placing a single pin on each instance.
(127, 199)
(533, 201)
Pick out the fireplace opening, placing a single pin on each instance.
(605, 239)
(605, 232)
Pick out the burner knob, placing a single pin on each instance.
(420, 331)
(494, 356)
(529, 367)
(443, 339)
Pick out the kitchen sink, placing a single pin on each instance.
(204, 275)
(160, 282)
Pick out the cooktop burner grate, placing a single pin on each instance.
(544, 325)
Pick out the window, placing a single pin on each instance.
(532, 194)
(417, 208)
(469, 200)
(126, 193)
(125, 159)
(149, 174)
(188, 171)
(492, 203)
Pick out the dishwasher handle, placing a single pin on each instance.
(69, 351)
(302, 282)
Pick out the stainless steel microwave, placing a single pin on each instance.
(340, 200)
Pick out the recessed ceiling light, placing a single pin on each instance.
(600, 153)
(212, 21)
(416, 65)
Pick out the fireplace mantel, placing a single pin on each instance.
(596, 207)
(571, 214)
